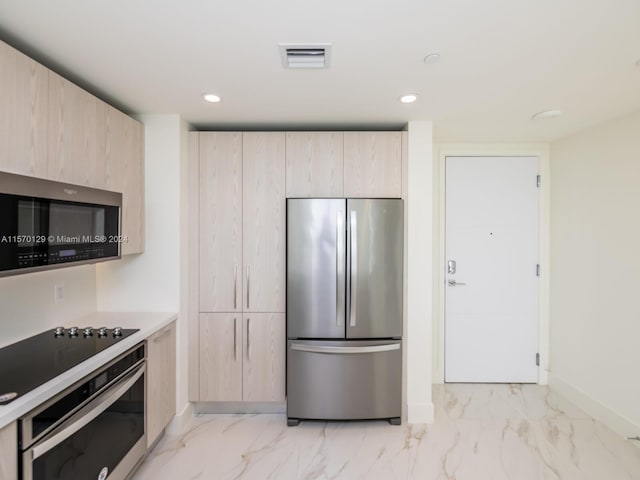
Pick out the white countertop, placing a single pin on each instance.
(147, 322)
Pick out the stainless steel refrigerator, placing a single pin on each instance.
(344, 309)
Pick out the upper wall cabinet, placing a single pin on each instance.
(23, 113)
(51, 128)
(373, 164)
(76, 134)
(124, 172)
(315, 164)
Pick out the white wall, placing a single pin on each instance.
(27, 303)
(595, 277)
(420, 222)
(152, 281)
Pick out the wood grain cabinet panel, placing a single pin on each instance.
(76, 134)
(263, 155)
(314, 164)
(125, 173)
(373, 164)
(161, 381)
(220, 221)
(9, 452)
(220, 357)
(263, 374)
(23, 114)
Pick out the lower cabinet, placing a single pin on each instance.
(161, 381)
(242, 357)
(9, 452)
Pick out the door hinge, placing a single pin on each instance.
(537, 269)
(538, 181)
(538, 359)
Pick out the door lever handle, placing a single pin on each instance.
(453, 283)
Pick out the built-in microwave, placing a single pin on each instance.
(46, 224)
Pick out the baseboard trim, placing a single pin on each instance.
(616, 422)
(181, 421)
(420, 413)
(240, 407)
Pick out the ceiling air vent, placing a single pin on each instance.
(310, 55)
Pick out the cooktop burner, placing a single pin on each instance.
(27, 364)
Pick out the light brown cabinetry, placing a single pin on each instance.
(263, 366)
(23, 113)
(9, 452)
(220, 204)
(241, 221)
(344, 164)
(315, 164)
(373, 164)
(161, 381)
(124, 172)
(51, 128)
(220, 357)
(242, 357)
(241, 228)
(76, 134)
(264, 219)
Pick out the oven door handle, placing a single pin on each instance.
(88, 413)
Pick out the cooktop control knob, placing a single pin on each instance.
(102, 332)
(58, 332)
(87, 331)
(117, 332)
(73, 332)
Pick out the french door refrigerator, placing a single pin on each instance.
(344, 309)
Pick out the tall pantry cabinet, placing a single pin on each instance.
(241, 255)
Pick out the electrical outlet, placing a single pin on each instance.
(58, 293)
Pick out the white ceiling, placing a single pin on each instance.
(502, 61)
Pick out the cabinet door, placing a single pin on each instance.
(220, 357)
(125, 174)
(220, 157)
(76, 134)
(373, 164)
(9, 452)
(23, 114)
(263, 221)
(263, 375)
(314, 164)
(161, 381)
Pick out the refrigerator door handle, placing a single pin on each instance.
(339, 268)
(353, 268)
(342, 350)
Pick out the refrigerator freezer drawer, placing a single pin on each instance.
(344, 380)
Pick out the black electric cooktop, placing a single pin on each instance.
(27, 364)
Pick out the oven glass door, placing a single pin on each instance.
(105, 438)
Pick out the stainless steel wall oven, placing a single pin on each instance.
(95, 429)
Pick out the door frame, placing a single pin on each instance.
(541, 151)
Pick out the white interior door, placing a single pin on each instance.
(491, 306)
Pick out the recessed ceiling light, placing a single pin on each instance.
(409, 98)
(210, 97)
(432, 58)
(546, 114)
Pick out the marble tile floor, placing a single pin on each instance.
(482, 432)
